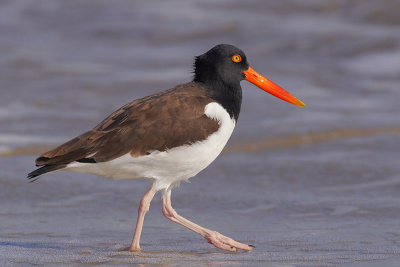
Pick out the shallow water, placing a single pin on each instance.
(317, 186)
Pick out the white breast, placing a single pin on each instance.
(168, 168)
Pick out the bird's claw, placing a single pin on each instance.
(225, 243)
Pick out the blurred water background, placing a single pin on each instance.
(318, 186)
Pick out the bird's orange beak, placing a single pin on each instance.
(270, 87)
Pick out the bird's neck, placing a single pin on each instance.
(228, 96)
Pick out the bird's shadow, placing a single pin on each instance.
(197, 253)
(28, 245)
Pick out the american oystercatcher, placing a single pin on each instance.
(168, 137)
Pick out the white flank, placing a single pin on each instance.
(168, 168)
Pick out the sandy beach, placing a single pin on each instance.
(318, 186)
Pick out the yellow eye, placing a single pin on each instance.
(236, 58)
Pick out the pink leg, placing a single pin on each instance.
(143, 209)
(213, 237)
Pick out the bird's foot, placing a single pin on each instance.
(225, 243)
(130, 249)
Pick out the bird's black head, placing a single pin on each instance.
(220, 71)
(221, 64)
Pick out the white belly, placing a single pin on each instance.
(168, 168)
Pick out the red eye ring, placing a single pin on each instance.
(236, 58)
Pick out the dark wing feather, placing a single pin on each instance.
(158, 122)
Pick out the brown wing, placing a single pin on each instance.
(158, 122)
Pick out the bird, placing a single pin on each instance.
(168, 137)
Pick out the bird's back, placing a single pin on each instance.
(158, 122)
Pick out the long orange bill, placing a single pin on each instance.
(270, 87)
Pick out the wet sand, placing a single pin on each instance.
(317, 186)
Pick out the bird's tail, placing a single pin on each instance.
(33, 176)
